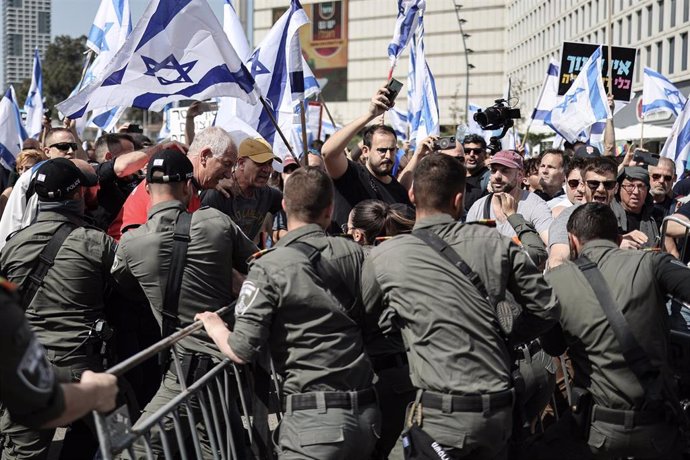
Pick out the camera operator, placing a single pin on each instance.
(478, 174)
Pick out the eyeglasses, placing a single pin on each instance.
(384, 150)
(476, 151)
(660, 176)
(65, 146)
(574, 183)
(632, 187)
(594, 184)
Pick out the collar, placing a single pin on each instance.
(436, 219)
(294, 235)
(165, 206)
(47, 216)
(590, 249)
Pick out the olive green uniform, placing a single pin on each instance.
(144, 256)
(456, 352)
(64, 309)
(316, 346)
(28, 387)
(638, 282)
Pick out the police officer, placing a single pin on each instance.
(629, 416)
(459, 360)
(65, 309)
(300, 300)
(146, 255)
(28, 386)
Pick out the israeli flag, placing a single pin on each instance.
(677, 145)
(548, 98)
(584, 104)
(177, 51)
(409, 16)
(279, 75)
(422, 101)
(659, 94)
(34, 100)
(12, 133)
(398, 121)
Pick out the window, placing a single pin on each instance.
(15, 3)
(671, 54)
(660, 4)
(15, 44)
(43, 22)
(620, 32)
(686, 10)
(659, 56)
(673, 13)
(639, 64)
(649, 20)
(628, 21)
(648, 53)
(639, 24)
(684, 51)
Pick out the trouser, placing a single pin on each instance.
(326, 430)
(21, 442)
(479, 429)
(395, 391)
(171, 388)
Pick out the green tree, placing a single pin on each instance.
(62, 68)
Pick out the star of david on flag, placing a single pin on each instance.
(659, 94)
(584, 104)
(177, 51)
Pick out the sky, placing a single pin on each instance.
(74, 17)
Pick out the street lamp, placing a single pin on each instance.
(468, 66)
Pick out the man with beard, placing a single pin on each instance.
(661, 179)
(354, 182)
(478, 174)
(600, 186)
(574, 186)
(509, 205)
(249, 198)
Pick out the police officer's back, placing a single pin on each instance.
(458, 358)
(629, 417)
(300, 299)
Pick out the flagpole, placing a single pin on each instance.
(610, 34)
(303, 121)
(275, 124)
(642, 132)
(328, 112)
(318, 136)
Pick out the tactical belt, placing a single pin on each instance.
(397, 360)
(467, 403)
(332, 399)
(626, 417)
(525, 351)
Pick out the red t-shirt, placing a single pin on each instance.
(135, 211)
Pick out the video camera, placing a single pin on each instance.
(498, 116)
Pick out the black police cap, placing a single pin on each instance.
(57, 178)
(174, 165)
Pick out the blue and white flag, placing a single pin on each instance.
(660, 95)
(398, 121)
(12, 133)
(34, 100)
(279, 76)
(164, 133)
(548, 97)
(422, 101)
(177, 51)
(584, 104)
(409, 15)
(677, 145)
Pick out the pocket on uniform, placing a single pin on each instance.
(326, 435)
(596, 439)
(446, 437)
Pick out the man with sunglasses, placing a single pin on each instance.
(574, 186)
(354, 182)
(661, 180)
(477, 173)
(62, 142)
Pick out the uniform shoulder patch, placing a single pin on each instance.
(34, 370)
(260, 254)
(247, 296)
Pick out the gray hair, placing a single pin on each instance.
(214, 138)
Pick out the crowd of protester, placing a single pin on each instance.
(117, 189)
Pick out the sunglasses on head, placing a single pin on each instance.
(659, 176)
(65, 146)
(608, 184)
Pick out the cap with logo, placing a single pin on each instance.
(507, 158)
(174, 165)
(257, 150)
(58, 178)
(587, 151)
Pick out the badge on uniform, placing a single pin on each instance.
(247, 296)
(35, 370)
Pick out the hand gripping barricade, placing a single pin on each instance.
(212, 393)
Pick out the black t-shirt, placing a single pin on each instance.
(248, 213)
(634, 221)
(358, 184)
(682, 188)
(473, 187)
(112, 194)
(663, 210)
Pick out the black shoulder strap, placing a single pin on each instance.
(439, 245)
(634, 355)
(46, 259)
(330, 277)
(487, 206)
(177, 263)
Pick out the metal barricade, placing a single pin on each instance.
(211, 396)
